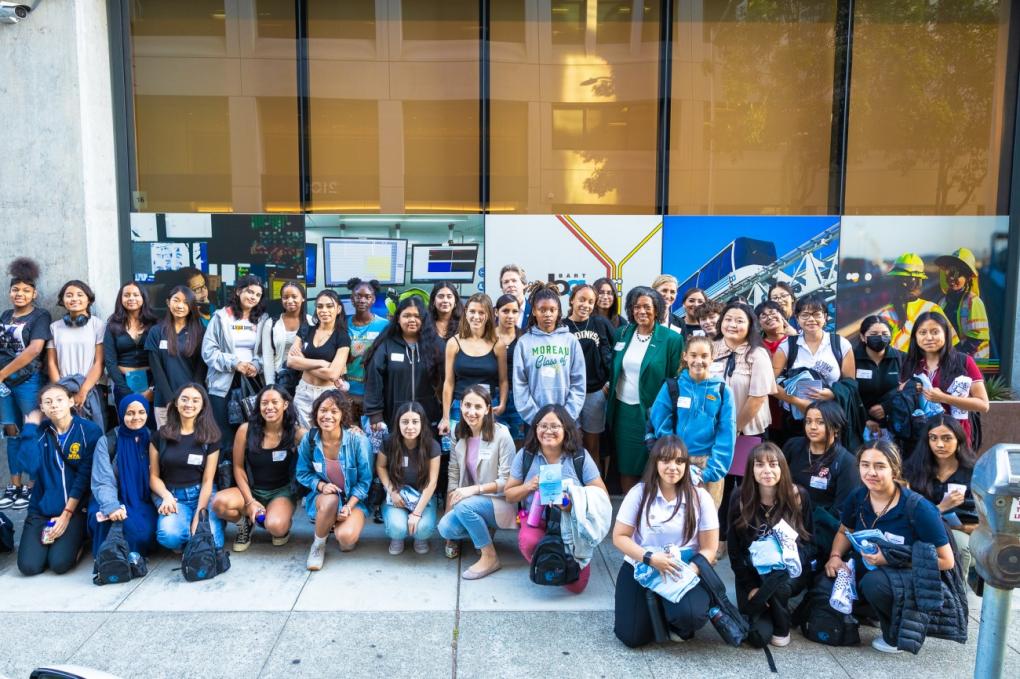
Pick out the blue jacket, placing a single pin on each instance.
(355, 455)
(59, 473)
(706, 422)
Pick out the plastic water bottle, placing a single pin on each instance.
(5, 391)
(714, 613)
(566, 501)
(260, 518)
(535, 512)
(446, 444)
(45, 537)
(868, 547)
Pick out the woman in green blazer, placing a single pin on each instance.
(645, 354)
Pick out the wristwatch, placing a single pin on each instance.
(647, 558)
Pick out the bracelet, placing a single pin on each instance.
(67, 511)
(834, 554)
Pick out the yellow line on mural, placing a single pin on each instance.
(638, 247)
(591, 241)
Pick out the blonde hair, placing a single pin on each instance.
(664, 278)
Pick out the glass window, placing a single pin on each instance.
(751, 107)
(215, 107)
(394, 106)
(926, 129)
(573, 107)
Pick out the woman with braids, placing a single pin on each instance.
(362, 328)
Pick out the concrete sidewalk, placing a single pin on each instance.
(378, 615)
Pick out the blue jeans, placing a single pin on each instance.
(395, 519)
(174, 530)
(23, 400)
(472, 517)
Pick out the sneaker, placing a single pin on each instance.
(242, 540)
(316, 555)
(377, 515)
(396, 547)
(879, 645)
(9, 496)
(676, 638)
(281, 541)
(779, 642)
(421, 546)
(24, 495)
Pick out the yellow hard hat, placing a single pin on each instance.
(909, 265)
(960, 257)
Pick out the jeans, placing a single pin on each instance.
(174, 530)
(395, 519)
(472, 517)
(13, 409)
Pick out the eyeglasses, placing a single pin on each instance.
(818, 315)
(770, 314)
(776, 296)
(549, 427)
(200, 288)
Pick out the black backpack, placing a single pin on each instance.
(529, 459)
(201, 559)
(6, 533)
(823, 624)
(113, 563)
(792, 348)
(551, 563)
(905, 427)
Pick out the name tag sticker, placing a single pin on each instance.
(683, 402)
(279, 455)
(547, 371)
(405, 460)
(619, 346)
(485, 454)
(397, 357)
(820, 482)
(318, 466)
(863, 374)
(195, 459)
(895, 539)
(162, 344)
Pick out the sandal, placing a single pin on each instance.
(452, 549)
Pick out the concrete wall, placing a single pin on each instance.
(57, 171)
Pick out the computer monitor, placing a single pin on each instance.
(384, 259)
(454, 263)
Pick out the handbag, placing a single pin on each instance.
(241, 403)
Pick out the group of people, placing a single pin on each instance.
(725, 426)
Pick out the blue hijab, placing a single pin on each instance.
(132, 456)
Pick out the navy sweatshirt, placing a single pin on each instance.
(60, 472)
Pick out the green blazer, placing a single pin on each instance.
(662, 360)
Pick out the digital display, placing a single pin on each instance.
(382, 259)
(455, 263)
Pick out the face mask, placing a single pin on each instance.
(878, 342)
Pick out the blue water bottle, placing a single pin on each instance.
(260, 518)
(446, 444)
(868, 547)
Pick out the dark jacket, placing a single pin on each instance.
(396, 375)
(64, 472)
(849, 399)
(662, 359)
(926, 601)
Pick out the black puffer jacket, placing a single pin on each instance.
(926, 601)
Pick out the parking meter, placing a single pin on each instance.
(995, 543)
(995, 546)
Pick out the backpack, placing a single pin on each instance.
(6, 533)
(529, 459)
(201, 559)
(823, 624)
(552, 564)
(113, 563)
(905, 427)
(792, 348)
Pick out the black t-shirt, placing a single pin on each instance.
(829, 484)
(171, 372)
(410, 466)
(966, 511)
(17, 332)
(875, 381)
(924, 524)
(271, 467)
(181, 463)
(326, 352)
(596, 337)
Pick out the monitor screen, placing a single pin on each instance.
(455, 263)
(382, 259)
(311, 264)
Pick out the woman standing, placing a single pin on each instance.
(58, 453)
(878, 367)
(363, 328)
(404, 364)
(320, 355)
(691, 300)
(957, 384)
(446, 309)
(646, 354)
(474, 356)
(24, 331)
(961, 300)
(334, 465)
(127, 362)
(507, 331)
(607, 304)
(120, 480)
(182, 464)
(782, 294)
(280, 333)
(175, 349)
(408, 467)
(664, 509)
(666, 285)
(76, 350)
(548, 363)
(230, 349)
(595, 335)
(265, 459)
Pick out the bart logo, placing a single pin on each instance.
(74, 453)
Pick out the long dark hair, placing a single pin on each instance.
(341, 315)
(429, 344)
(257, 423)
(458, 307)
(754, 340)
(192, 326)
(613, 314)
(834, 422)
(573, 444)
(235, 299)
(920, 468)
(207, 432)
(671, 447)
(952, 363)
(540, 292)
(502, 302)
(788, 495)
(118, 319)
(395, 449)
(488, 422)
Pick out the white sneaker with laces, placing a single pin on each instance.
(879, 645)
(316, 555)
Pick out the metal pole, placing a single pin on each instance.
(992, 635)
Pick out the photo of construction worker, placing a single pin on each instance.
(907, 305)
(961, 302)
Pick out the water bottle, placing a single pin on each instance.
(134, 558)
(446, 443)
(535, 512)
(50, 525)
(566, 501)
(714, 614)
(260, 518)
(5, 391)
(868, 547)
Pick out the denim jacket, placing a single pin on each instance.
(355, 456)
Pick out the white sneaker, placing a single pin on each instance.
(396, 547)
(421, 546)
(879, 645)
(779, 642)
(316, 555)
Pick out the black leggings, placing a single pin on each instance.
(60, 556)
(633, 623)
